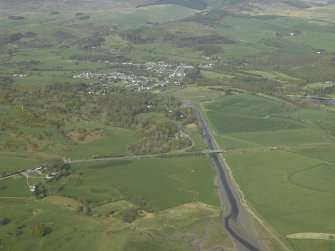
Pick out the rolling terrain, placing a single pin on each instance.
(167, 125)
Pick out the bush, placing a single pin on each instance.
(15, 17)
(4, 221)
(84, 17)
(37, 229)
(130, 214)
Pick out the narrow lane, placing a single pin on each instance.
(243, 237)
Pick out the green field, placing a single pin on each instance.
(196, 93)
(321, 153)
(175, 181)
(245, 120)
(292, 193)
(8, 164)
(115, 143)
(318, 177)
(14, 187)
(67, 226)
(291, 189)
(179, 191)
(240, 59)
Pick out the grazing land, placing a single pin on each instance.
(182, 205)
(176, 181)
(291, 189)
(120, 80)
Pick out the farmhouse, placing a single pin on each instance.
(33, 188)
(39, 169)
(51, 175)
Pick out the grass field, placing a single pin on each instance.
(114, 143)
(318, 177)
(162, 182)
(253, 120)
(291, 190)
(14, 187)
(179, 191)
(272, 75)
(196, 93)
(215, 75)
(322, 153)
(16, 163)
(67, 227)
(148, 233)
(290, 184)
(199, 143)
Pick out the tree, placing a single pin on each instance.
(17, 227)
(140, 201)
(4, 221)
(86, 209)
(130, 214)
(56, 164)
(194, 74)
(6, 81)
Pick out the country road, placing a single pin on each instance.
(238, 221)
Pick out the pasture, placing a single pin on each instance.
(292, 193)
(215, 75)
(14, 187)
(14, 163)
(196, 93)
(66, 226)
(115, 142)
(164, 183)
(45, 55)
(277, 36)
(290, 186)
(259, 121)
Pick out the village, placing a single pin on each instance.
(155, 75)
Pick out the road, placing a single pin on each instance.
(238, 221)
(9, 176)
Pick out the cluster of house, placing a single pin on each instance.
(33, 188)
(164, 74)
(20, 75)
(206, 66)
(50, 176)
(115, 77)
(172, 71)
(40, 170)
(31, 172)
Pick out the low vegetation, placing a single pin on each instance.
(286, 159)
(118, 81)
